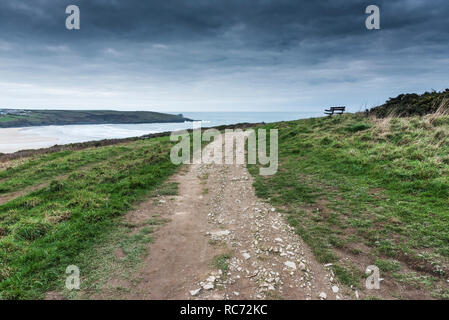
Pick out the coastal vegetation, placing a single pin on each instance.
(367, 191)
(412, 104)
(76, 206)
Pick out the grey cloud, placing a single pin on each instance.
(201, 50)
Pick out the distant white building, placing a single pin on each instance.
(18, 112)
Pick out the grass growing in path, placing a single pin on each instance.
(361, 191)
(221, 261)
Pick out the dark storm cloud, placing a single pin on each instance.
(292, 48)
(272, 23)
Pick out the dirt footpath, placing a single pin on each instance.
(222, 242)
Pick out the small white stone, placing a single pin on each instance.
(273, 209)
(246, 255)
(302, 266)
(195, 292)
(208, 286)
(322, 295)
(290, 264)
(278, 239)
(236, 293)
(335, 289)
(220, 233)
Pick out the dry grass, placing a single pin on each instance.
(383, 125)
(11, 164)
(443, 110)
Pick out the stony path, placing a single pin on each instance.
(268, 259)
(218, 213)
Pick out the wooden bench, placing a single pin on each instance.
(334, 110)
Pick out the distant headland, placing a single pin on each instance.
(15, 118)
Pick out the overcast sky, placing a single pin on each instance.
(219, 55)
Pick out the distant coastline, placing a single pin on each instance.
(37, 137)
(11, 133)
(20, 118)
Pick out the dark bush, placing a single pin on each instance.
(411, 104)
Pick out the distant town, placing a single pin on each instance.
(16, 112)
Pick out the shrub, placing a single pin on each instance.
(411, 104)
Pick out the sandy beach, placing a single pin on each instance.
(15, 139)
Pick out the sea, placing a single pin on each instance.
(47, 136)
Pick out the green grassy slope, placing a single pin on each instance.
(67, 117)
(43, 232)
(373, 191)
